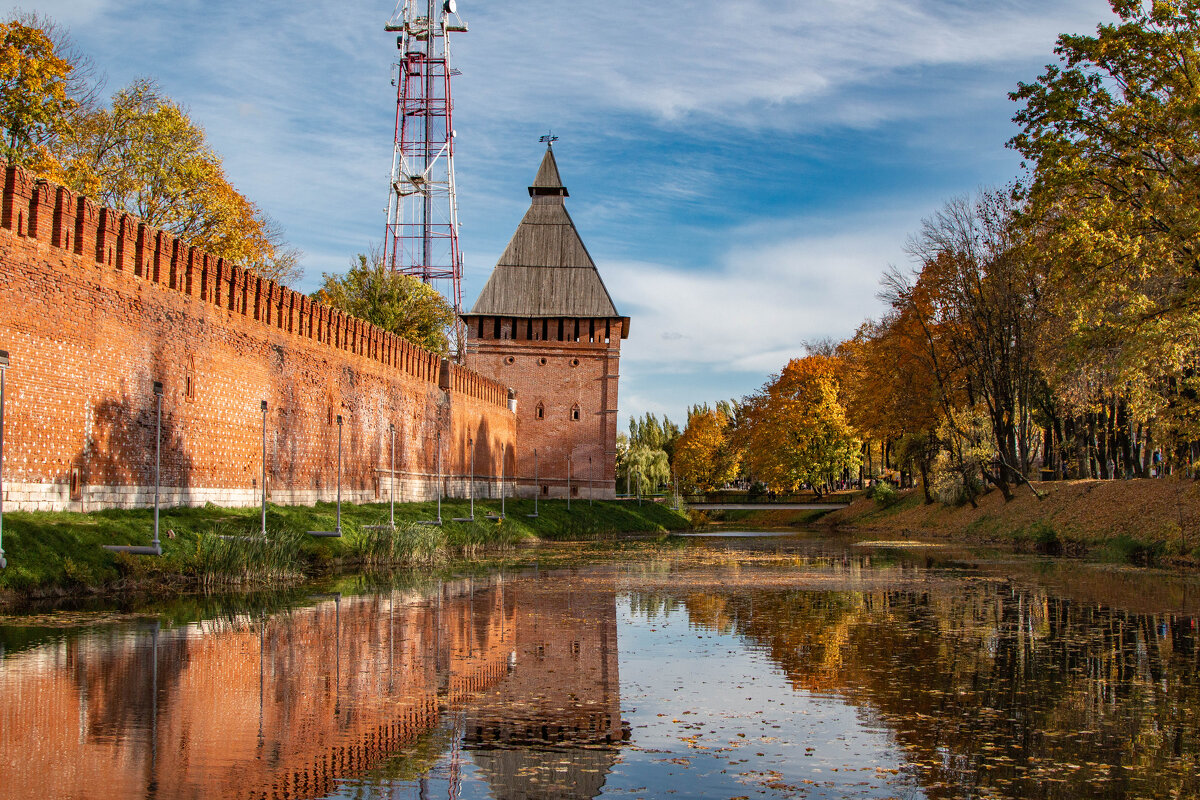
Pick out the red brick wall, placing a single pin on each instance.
(95, 306)
(582, 374)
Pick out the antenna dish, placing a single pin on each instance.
(450, 7)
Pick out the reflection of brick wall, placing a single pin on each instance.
(346, 684)
(96, 306)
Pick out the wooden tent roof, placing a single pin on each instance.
(546, 270)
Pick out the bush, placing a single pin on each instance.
(884, 494)
(1130, 550)
(1045, 538)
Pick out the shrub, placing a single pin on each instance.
(1045, 538)
(884, 494)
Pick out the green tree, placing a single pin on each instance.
(395, 302)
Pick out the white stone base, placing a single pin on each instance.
(57, 496)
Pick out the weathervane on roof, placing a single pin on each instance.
(549, 139)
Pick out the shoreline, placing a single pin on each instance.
(57, 556)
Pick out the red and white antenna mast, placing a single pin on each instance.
(422, 223)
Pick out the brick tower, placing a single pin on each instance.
(545, 325)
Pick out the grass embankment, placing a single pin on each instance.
(206, 547)
(1139, 521)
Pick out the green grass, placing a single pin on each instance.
(210, 546)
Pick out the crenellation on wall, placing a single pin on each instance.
(88, 343)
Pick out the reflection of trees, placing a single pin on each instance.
(995, 692)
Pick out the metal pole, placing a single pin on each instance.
(639, 487)
(264, 471)
(471, 486)
(392, 482)
(537, 490)
(568, 483)
(503, 453)
(3, 369)
(158, 395)
(339, 479)
(439, 485)
(591, 482)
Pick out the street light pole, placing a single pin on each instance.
(339, 478)
(392, 482)
(3, 369)
(158, 396)
(264, 470)
(536, 488)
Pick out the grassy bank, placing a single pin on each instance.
(211, 546)
(1140, 521)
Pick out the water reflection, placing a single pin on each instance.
(722, 670)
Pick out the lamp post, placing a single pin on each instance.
(264, 470)
(392, 481)
(536, 489)
(158, 396)
(470, 486)
(336, 532)
(3, 368)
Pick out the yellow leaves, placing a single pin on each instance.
(797, 430)
(704, 456)
(146, 156)
(34, 105)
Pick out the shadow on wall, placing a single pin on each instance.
(120, 451)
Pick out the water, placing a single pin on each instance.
(718, 667)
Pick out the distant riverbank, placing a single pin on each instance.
(61, 554)
(1137, 521)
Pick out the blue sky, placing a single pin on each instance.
(741, 171)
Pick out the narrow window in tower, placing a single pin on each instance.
(496, 328)
(539, 412)
(575, 413)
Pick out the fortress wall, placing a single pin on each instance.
(95, 306)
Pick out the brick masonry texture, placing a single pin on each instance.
(559, 377)
(95, 306)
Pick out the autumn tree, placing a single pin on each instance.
(1112, 138)
(796, 431)
(399, 303)
(35, 100)
(889, 391)
(145, 155)
(976, 297)
(705, 458)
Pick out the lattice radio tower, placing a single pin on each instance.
(422, 223)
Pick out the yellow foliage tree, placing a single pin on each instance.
(796, 429)
(35, 105)
(705, 459)
(145, 155)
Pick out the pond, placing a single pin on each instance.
(726, 667)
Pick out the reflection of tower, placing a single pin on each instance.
(552, 727)
(422, 225)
